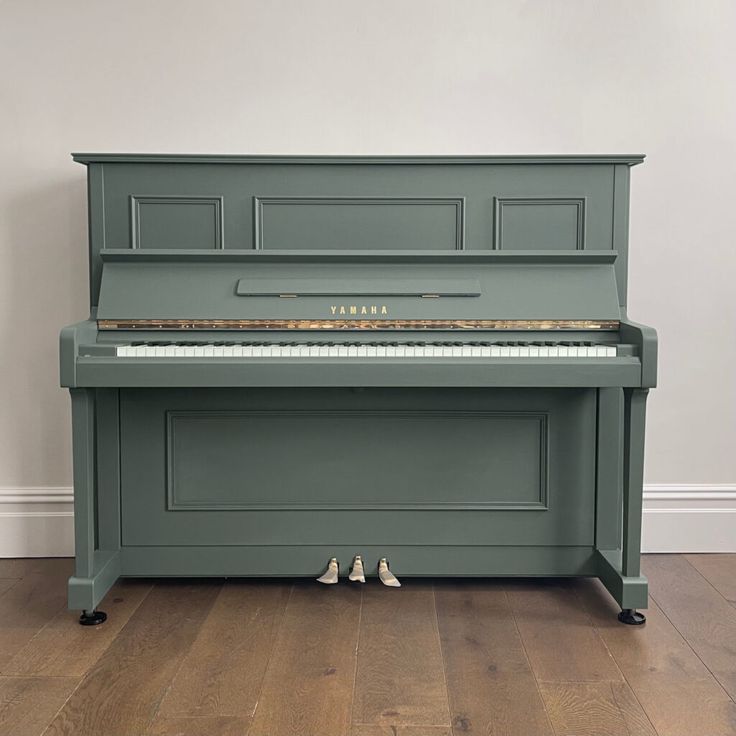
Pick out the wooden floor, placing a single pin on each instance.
(500, 658)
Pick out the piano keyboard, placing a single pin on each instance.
(366, 350)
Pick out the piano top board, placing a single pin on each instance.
(213, 211)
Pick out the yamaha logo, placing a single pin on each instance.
(358, 309)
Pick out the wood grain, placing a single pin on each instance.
(490, 682)
(64, 648)
(560, 641)
(27, 704)
(28, 605)
(365, 729)
(308, 687)
(633, 714)
(6, 584)
(224, 670)
(199, 726)
(21, 567)
(698, 611)
(584, 709)
(676, 690)
(400, 678)
(719, 570)
(120, 694)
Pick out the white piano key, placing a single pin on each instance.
(495, 351)
(543, 351)
(505, 351)
(514, 351)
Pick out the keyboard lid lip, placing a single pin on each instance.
(355, 257)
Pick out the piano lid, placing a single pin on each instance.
(473, 287)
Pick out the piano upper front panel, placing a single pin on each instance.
(351, 206)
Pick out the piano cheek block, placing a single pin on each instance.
(367, 384)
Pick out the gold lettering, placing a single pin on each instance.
(363, 310)
(342, 309)
(384, 310)
(374, 309)
(353, 309)
(333, 310)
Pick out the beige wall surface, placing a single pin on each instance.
(339, 76)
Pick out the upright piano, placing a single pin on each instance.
(291, 362)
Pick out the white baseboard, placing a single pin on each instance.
(689, 517)
(36, 522)
(684, 517)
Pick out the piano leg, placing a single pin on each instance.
(95, 569)
(619, 566)
(635, 401)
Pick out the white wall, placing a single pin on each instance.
(378, 77)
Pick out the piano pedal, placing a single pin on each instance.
(386, 576)
(357, 574)
(331, 573)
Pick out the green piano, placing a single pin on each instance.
(414, 365)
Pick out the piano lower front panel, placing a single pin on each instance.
(275, 481)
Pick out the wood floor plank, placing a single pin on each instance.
(27, 704)
(400, 678)
(7, 583)
(489, 680)
(223, 672)
(558, 636)
(633, 714)
(677, 692)
(719, 570)
(199, 726)
(698, 611)
(120, 694)
(308, 687)
(584, 709)
(20, 567)
(366, 729)
(64, 648)
(29, 604)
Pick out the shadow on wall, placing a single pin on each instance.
(45, 273)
